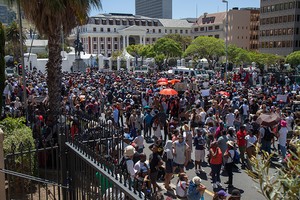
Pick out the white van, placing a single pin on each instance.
(188, 72)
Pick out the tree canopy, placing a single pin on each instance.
(293, 58)
(206, 47)
(168, 47)
(183, 40)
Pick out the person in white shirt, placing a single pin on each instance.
(182, 185)
(282, 135)
(139, 141)
(128, 154)
(141, 163)
(230, 118)
(251, 142)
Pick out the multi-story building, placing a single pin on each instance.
(106, 33)
(154, 8)
(242, 27)
(279, 26)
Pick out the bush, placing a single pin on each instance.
(18, 138)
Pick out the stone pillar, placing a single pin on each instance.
(110, 63)
(127, 40)
(144, 40)
(2, 175)
(118, 63)
(140, 39)
(101, 62)
(128, 64)
(123, 41)
(112, 44)
(182, 62)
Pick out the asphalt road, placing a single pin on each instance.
(241, 181)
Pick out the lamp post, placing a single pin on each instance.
(226, 39)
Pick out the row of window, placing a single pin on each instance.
(280, 31)
(108, 30)
(277, 44)
(209, 28)
(280, 19)
(124, 22)
(280, 6)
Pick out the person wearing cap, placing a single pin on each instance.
(195, 189)
(282, 138)
(199, 143)
(229, 155)
(182, 185)
(220, 195)
(235, 195)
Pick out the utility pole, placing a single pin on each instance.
(22, 58)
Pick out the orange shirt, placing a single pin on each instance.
(217, 159)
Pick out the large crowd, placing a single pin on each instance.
(214, 122)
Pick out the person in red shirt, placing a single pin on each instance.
(241, 142)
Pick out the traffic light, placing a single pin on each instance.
(20, 69)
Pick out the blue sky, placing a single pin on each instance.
(181, 8)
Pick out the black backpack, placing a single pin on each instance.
(268, 136)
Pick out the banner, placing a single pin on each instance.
(282, 97)
(205, 93)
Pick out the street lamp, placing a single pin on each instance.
(226, 39)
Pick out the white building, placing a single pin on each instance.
(106, 33)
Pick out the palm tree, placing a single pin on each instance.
(13, 40)
(49, 16)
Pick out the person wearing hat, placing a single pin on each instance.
(282, 138)
(220, 195)
(229, 155)
(196, 189)
(129, 152)
(235, 195)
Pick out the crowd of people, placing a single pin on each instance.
(213, 122)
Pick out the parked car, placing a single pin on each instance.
(9, 72)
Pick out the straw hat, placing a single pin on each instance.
(196, 180)
(230, 143)
(129, 151)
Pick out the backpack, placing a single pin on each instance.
(164, 156)
(268, 136)
(236, 157)
(123, 165)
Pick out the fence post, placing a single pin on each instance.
(2, 175)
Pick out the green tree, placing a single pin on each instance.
(159, 60)
(2, 63)
(206, 47)
(147, 51)
(135, 50)
(183, 40)
(167, 47)
(49, 16)
(13, 40)
(293, 58)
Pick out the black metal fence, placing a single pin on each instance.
(77, 158)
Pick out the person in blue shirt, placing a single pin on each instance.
(196, 189)
(148, 123)
(199, 143)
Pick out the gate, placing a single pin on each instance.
(81, 166)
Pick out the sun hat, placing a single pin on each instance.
(196, 180)
(129, 151)
(283, 123)
(222, 193)
(230, 143)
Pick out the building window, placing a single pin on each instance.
(101, 29)
(108, 39)
(95, 46)
(116, 46)
(196, 29)
(176, 31)
(124, 22)
(153, 31)
(101, 39)
(147, 39)
(153, 39)
(217, 36)
(202, 29)
(186, 31)
(108, 29)
(159, 30)
(166, 31)
(118, 22)
(181, 31)
(111, 22)
(210, 28)
(108, 46)
(104, 21)
(94, 29)
(116, 39)
(115, 30)
(97, 21)
(94, 39)
(137, 23)
(102, 46)
(217, 27)
(171, 31)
